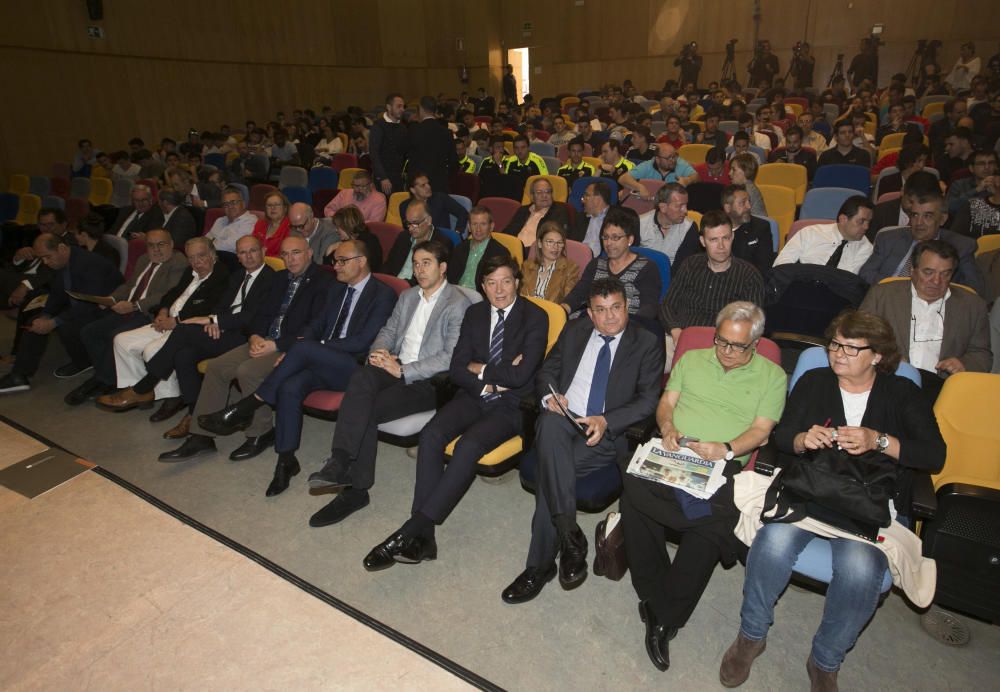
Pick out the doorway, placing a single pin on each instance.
(520, 61)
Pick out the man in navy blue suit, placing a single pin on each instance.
(325, 357)
(76, 270)
(500, 349)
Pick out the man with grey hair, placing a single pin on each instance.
(234, 224)
(141, 216)
(721, 403)
(321, 234)
(665, 227)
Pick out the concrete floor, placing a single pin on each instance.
(590, 638)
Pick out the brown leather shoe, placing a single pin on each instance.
(179, 431)
(125, 400)
(736, 662)
(820, 680)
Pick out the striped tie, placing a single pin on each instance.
(496, 350)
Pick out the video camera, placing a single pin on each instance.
(689, 48)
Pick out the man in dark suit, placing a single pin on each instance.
(296, 296)
(207, 336)
(587, 226)
(194, 295)
(440, 205)
(419, 227)
(938, 347)
(74, 270)
(499, 350)
(606, 372)
(432, 147)
(414, 345)
(177, 219)
(893, 251)
(324, 358)
(142, 216)
(156, 272)
(473, 252)
(541, 209)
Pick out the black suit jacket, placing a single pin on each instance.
(181, 226)
(752, 242)
(885, 215)
(557, 212)
(578, 229)
(634, 382)
(308, 302)
(460, 257)
(86, 273)
(204, 298)
(150, 221)
(525, 334)
(371, 311)
(432, 150)
(252, 302)
(401, 249)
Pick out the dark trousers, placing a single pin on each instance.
(187, 346)
(99, 336)
(563, 457)
(31, 347)
(672, 588)
(308, 367)
(483, 427)
(374, 396)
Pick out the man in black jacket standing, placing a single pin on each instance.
(431, 146)
(387, 146)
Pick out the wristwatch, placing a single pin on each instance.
(730, 454)
(882, 442)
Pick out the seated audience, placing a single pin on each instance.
(234, 224)
(716, 167)
(575, 167)
(471, 254)
(793, 152)
(321, 234)
(89, 235)
(28, 275)
(666, 166)
(975, 186)
(841, 244)
(642, 147)
(843, 149)
(143, 214)
(892, 213)
(665, 227)
(587, 226)
(742, 171)
(420, 228)
(613, 164)
(526, 220)
(548, 273)
(274, 227)
(177, 219)
(362, 195)
(980, 215)
(912, 159)
(810, 137)
(440, 205)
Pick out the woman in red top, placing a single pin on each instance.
(273, 228)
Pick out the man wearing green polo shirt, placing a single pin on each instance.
(463, 268)
(727, 398)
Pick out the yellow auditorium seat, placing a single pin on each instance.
(790, 175)
(512, 244)
(560, 191)
(392, 214)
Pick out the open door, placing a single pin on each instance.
(520, 61)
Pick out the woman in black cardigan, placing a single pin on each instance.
(859, 405)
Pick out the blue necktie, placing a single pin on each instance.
(599, 382)
(496, 349)
(345, 310)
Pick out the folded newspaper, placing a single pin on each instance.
(682, 469)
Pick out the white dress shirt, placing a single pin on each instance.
(414, 336)
(579, 389)
(816, 244)
(183, 298)
(593, 237)
(226, 233)
(926, 330)
(237, 304)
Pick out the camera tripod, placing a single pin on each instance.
(838, 71)
(729, 66)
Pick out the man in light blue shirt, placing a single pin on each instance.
(666, 166)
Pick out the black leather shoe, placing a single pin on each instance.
(225, 422)
(89, 390)
(168, 409)
(383, 556)
(253, 446)
(283, 473)
(416, 550)
(657, 637)
(573, 559)
(194, 446)
(344, 505)
(335, 474)
(528, 584)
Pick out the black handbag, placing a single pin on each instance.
(846, 491)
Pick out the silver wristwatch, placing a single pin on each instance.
(882, 442)
(730, 454)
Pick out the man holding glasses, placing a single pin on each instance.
(721, 403)
(362, 195)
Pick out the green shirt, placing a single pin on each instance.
(719, 406)
(476, 251)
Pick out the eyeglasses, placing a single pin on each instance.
(341, 261)
(297, 226)
(553, 243)
(729, 346)
(416, 224)
(849, 351)
(613, 238)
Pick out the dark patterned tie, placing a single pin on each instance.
(345, 310)
(599, 383)
(496, 349)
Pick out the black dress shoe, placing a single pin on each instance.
(226, 422)
(168, 409)
(416, 550)
(253, 446)
(87, 390)
(14, 382)
(383, 556)
(283, 473)
(528, 584)
(336, 473)
(573, 559)
(192, 447)
(344, 505)
(657, 637)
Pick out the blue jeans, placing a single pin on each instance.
(851, 598)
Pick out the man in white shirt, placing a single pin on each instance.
(236, 223)
(966, 67)
(664, 228)
(842, 244)
(414, 345)
(810, 138)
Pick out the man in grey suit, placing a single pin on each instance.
(414, 345)
(605, 371)
(938, 329)
(893, 251)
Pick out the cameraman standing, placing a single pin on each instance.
(690, 64)
(864, 65)
(764, 66)
(803, 64)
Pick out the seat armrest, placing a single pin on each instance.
(924, 501)
(640, 432)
